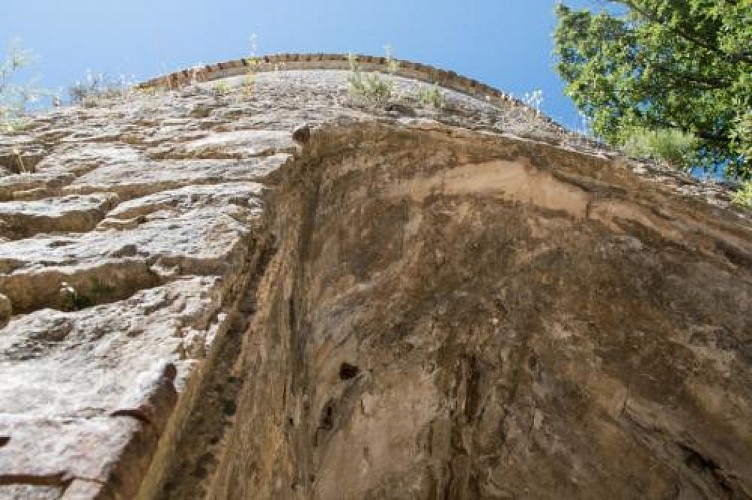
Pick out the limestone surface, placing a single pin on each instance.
(21, 219)
(272, 288)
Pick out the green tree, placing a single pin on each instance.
(682, 65)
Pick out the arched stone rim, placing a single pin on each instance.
(321, 61)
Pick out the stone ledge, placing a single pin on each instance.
(320, 61)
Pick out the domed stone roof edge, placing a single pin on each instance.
(320, 61)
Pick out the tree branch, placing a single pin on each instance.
(653, 17)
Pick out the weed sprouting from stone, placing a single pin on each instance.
(372, 86)
(431, 96)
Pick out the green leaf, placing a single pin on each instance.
(661, 64)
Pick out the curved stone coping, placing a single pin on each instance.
(406, 69)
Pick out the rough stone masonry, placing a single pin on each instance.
(242, 282)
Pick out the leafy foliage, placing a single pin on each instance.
(371, 86)
(431, 96)
(533, 99)
(743, 197)
(741, 135)
(15, 97)
(221, 87)
(663, 64)
(249, 80)
(672, 146)
(96, 87)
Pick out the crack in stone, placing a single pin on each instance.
(61, 479)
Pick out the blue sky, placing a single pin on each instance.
(505, 43)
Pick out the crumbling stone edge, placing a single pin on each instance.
(320, 61)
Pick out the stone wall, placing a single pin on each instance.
(278, 291)
(321, 61)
